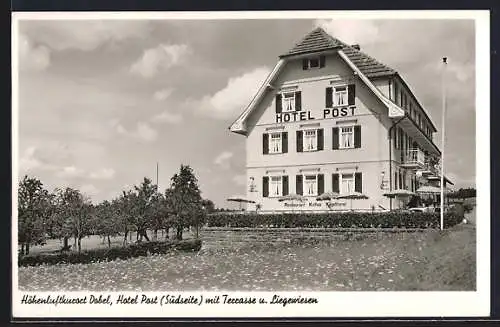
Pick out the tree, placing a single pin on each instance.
(184, 198)
(107, 220)
(145, 199)
(73, 216)
(34, 208)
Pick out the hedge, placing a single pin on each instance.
(110, 254)
(392, 219)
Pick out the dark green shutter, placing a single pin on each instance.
(320, 139)
(357, 136)
(358, 182)
(299, 141)
(335, 138)
(329, 97)
(351, 94)
(305, 64)
(298, 185)
(321, 184)
(265, 143)
(284, 142)
(321, 61)
(265, 186)
(298, 101)
(285, 185)
(278, 104)
(335, 183)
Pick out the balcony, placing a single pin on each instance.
(413, 159)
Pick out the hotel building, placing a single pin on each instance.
(329, 118)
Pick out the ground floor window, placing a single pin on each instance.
(275, 186)
(347, 183)
(311, 185)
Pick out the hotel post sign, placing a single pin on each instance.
(329, 113)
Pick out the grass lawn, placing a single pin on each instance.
(422, 261)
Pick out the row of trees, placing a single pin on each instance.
(67, 213)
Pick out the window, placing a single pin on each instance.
(340, 95)
(310, 185)
(288, 101)
(347, 137)
(347, 183)
(310, 140)
(315, 62)
(275, 186)
(275, 143)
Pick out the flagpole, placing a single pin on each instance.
(157, 186)
(442, 139)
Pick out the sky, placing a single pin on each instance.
(102, 101)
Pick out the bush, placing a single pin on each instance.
(391, 219)
(109, 254)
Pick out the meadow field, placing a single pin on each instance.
(431, 261)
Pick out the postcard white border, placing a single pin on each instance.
(331, 304)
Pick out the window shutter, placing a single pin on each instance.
(298, 101)
(329, 97)
(265, 143)
(278, 104)
(357, 136)
(299, 141)
(320, 139)
(298, 184)
(284, 142)
(335, 183)
(358, 182)
(305, 64)
(351, 94)
(265, 186)
(321, 61)
(335, 138)
(321, 184)
(285, 185)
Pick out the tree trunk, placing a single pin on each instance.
(156, 235)
(22, 249)
(197, 229)
(27, 248)
(166, 233)
(179, 233)
(75, 241)
(109, 242)
(79, 244)
(65, 242)
(144, 234)
(125, 237)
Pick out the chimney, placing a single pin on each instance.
(356, 46)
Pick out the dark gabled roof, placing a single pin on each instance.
(319, 40)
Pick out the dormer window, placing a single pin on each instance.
(313, 62)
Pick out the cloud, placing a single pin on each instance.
(143, 131)
(222, 159)
(104, 173)
(237, 94)
(30, 161)
(167, 117)
(89, 190)
(351, 31)
(159, 59)
(84, 35)
(240, 180)
(162, 95)
(35, 58)
(70, 172)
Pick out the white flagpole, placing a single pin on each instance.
(442, 140)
